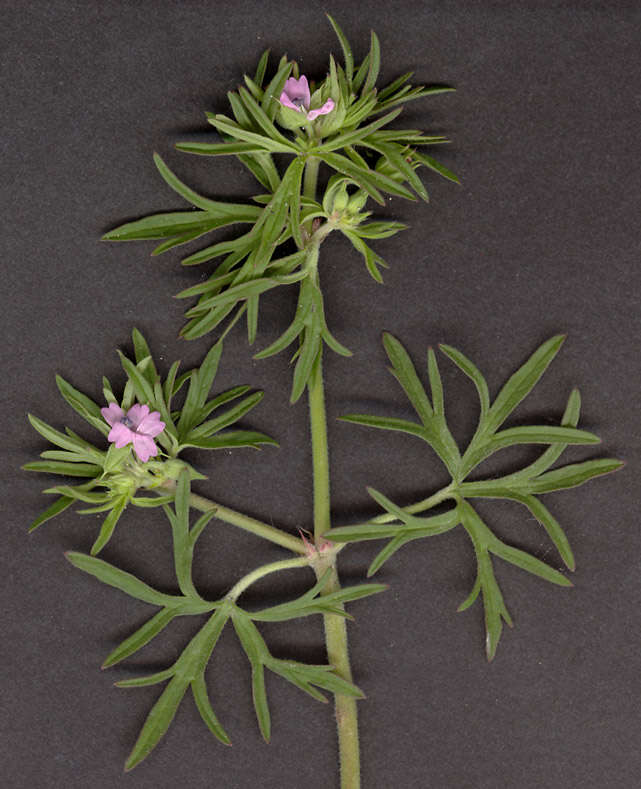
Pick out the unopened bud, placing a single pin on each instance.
(356, 202)
(341, 200)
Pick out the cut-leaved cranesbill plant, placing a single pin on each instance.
(284, 128)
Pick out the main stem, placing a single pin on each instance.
(335, 629)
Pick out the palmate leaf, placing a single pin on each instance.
(188, 670)
(486, 440)
(400, 525)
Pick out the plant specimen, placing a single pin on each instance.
(284, 129)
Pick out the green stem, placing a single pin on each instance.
(275, 567)
(448, 492)
(311, 177)
(335, 629)
(247, 523)
(335, 626)
(320, 451)
(226, 514)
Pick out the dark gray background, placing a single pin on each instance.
(540, 238)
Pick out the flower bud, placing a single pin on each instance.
(356, 202)
(341, 199)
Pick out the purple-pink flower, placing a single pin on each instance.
(137, 427)
(296, 96)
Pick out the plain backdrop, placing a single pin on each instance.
(540, 238)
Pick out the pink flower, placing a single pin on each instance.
(137, 427)
(296, 96)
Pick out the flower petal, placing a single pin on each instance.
(151, 425)
(144, 447)
(326, 108)
(287, 102)
(120, 435)
(112, 414)
(136, 414)
(297, 91)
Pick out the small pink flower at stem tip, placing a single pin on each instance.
(138, 427)
(296, 96)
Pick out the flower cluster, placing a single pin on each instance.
(145, 419)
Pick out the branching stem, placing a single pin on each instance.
(228, 515)
(275, 567)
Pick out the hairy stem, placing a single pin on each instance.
(275, 567)
(335, 629)
(335, 626)
(320, 451)
(226, 514)
(247, 523)
(311, 177)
